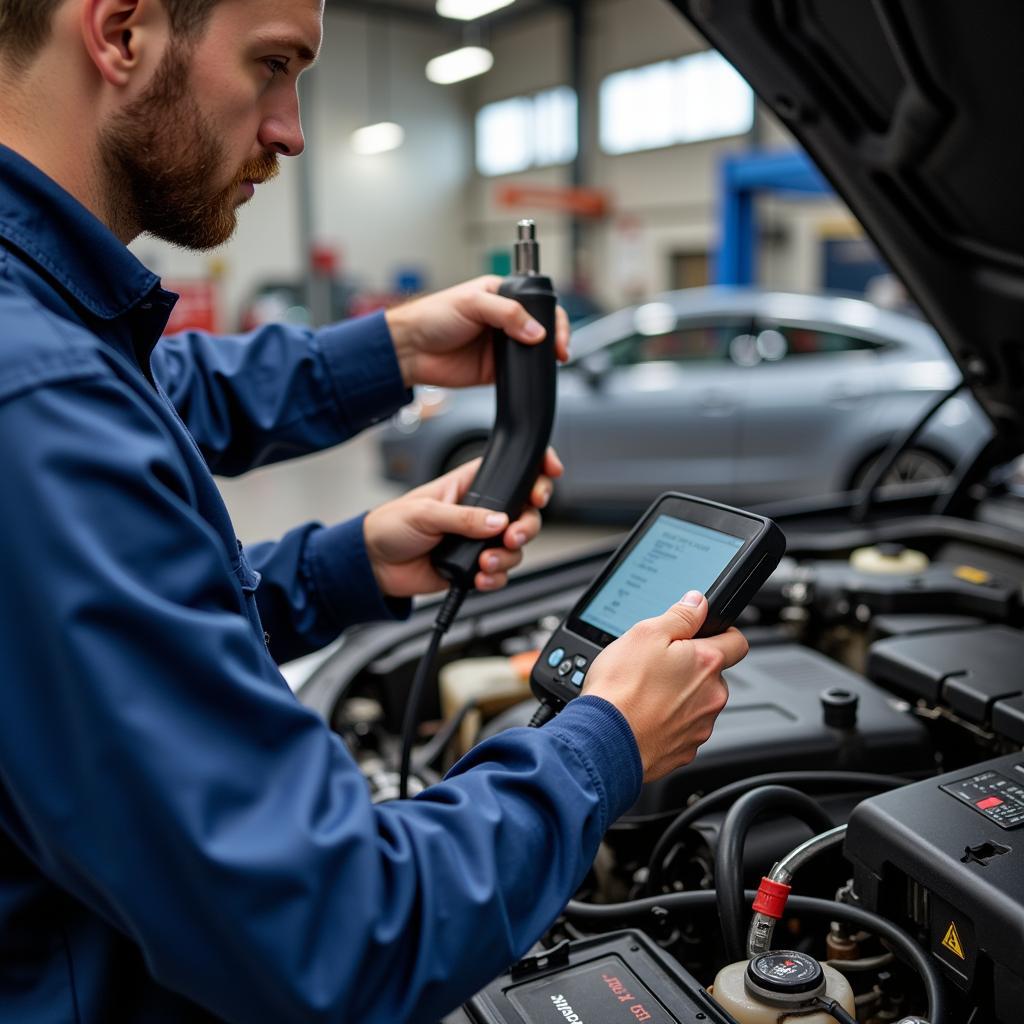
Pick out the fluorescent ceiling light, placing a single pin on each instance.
(468, 10)
(377, 138)
(460, 65)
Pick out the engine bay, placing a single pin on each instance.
(883, 692)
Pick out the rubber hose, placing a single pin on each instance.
(714, 799)
(902, 944)
(729, 854)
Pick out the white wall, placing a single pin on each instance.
(404, 208)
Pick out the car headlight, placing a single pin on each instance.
(429, 403)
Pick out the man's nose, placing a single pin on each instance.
(281, 130)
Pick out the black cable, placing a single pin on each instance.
(903, 945)
(445, 616)
(431, 753)
(717, 797)
(835, 1009)
(729, 854)
(542, 716)
(897, 446)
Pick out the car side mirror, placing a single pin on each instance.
(594, 368)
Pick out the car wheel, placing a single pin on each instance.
(463, 453)
(913, 466)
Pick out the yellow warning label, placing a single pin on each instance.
(952, 941)
(971, 575)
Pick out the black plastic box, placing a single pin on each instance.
(621, 978)
(945, 859)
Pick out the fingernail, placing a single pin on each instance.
(486, 581)
(532, 329)
(519, 539)
(491, 561)
(692, 599)
(545, 496)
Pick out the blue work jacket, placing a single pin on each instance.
(180, 839)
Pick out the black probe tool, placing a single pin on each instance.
(524, 380)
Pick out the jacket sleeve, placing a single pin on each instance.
(315, 582)
(154, 764)
(277, 393)
(281, 391)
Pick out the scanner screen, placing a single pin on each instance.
(672, 557)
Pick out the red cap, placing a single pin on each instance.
(771, 898)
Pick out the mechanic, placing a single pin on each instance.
(180, 839)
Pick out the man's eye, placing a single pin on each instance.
(277, 66)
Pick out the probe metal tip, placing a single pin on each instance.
(526, 230)
(527, 251)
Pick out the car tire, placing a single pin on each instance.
(465, 452)
(915, 465)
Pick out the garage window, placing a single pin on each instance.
(527, 131)
(687, 100)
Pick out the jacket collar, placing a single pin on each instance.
(77, 250)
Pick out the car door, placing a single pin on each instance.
(811, 393)
(654, 409)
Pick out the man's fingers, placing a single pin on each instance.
(686, 616)
(541, 492)
(523, 530)
(732, 645)
(509, 315)
(553, 465)
(453, 485)
(439, 517)
(562, 334)
(495, 560)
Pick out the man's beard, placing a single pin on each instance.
(161, 158)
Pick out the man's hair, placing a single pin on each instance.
(25, 24)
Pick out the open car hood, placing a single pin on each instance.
(914, 110)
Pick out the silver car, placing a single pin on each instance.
(742, 396)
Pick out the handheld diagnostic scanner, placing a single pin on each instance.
(682, 543)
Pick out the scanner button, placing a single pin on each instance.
(556, 656)
(565, 668)
(579, 661)
(577, 678)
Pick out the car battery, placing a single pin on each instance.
(621, 978)
(945, 858)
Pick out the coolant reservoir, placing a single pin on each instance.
(493, 684)
(781, 987)
(889, 559)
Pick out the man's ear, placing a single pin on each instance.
(121, 36)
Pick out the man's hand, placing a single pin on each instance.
(401, 534)
(444, 338)
(668, 686)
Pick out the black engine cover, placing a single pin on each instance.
(774, 721)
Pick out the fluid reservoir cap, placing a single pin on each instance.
(784, 976)
(840, 707)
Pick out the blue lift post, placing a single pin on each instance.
(742, 176)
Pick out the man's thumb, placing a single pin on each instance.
(687, 615)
